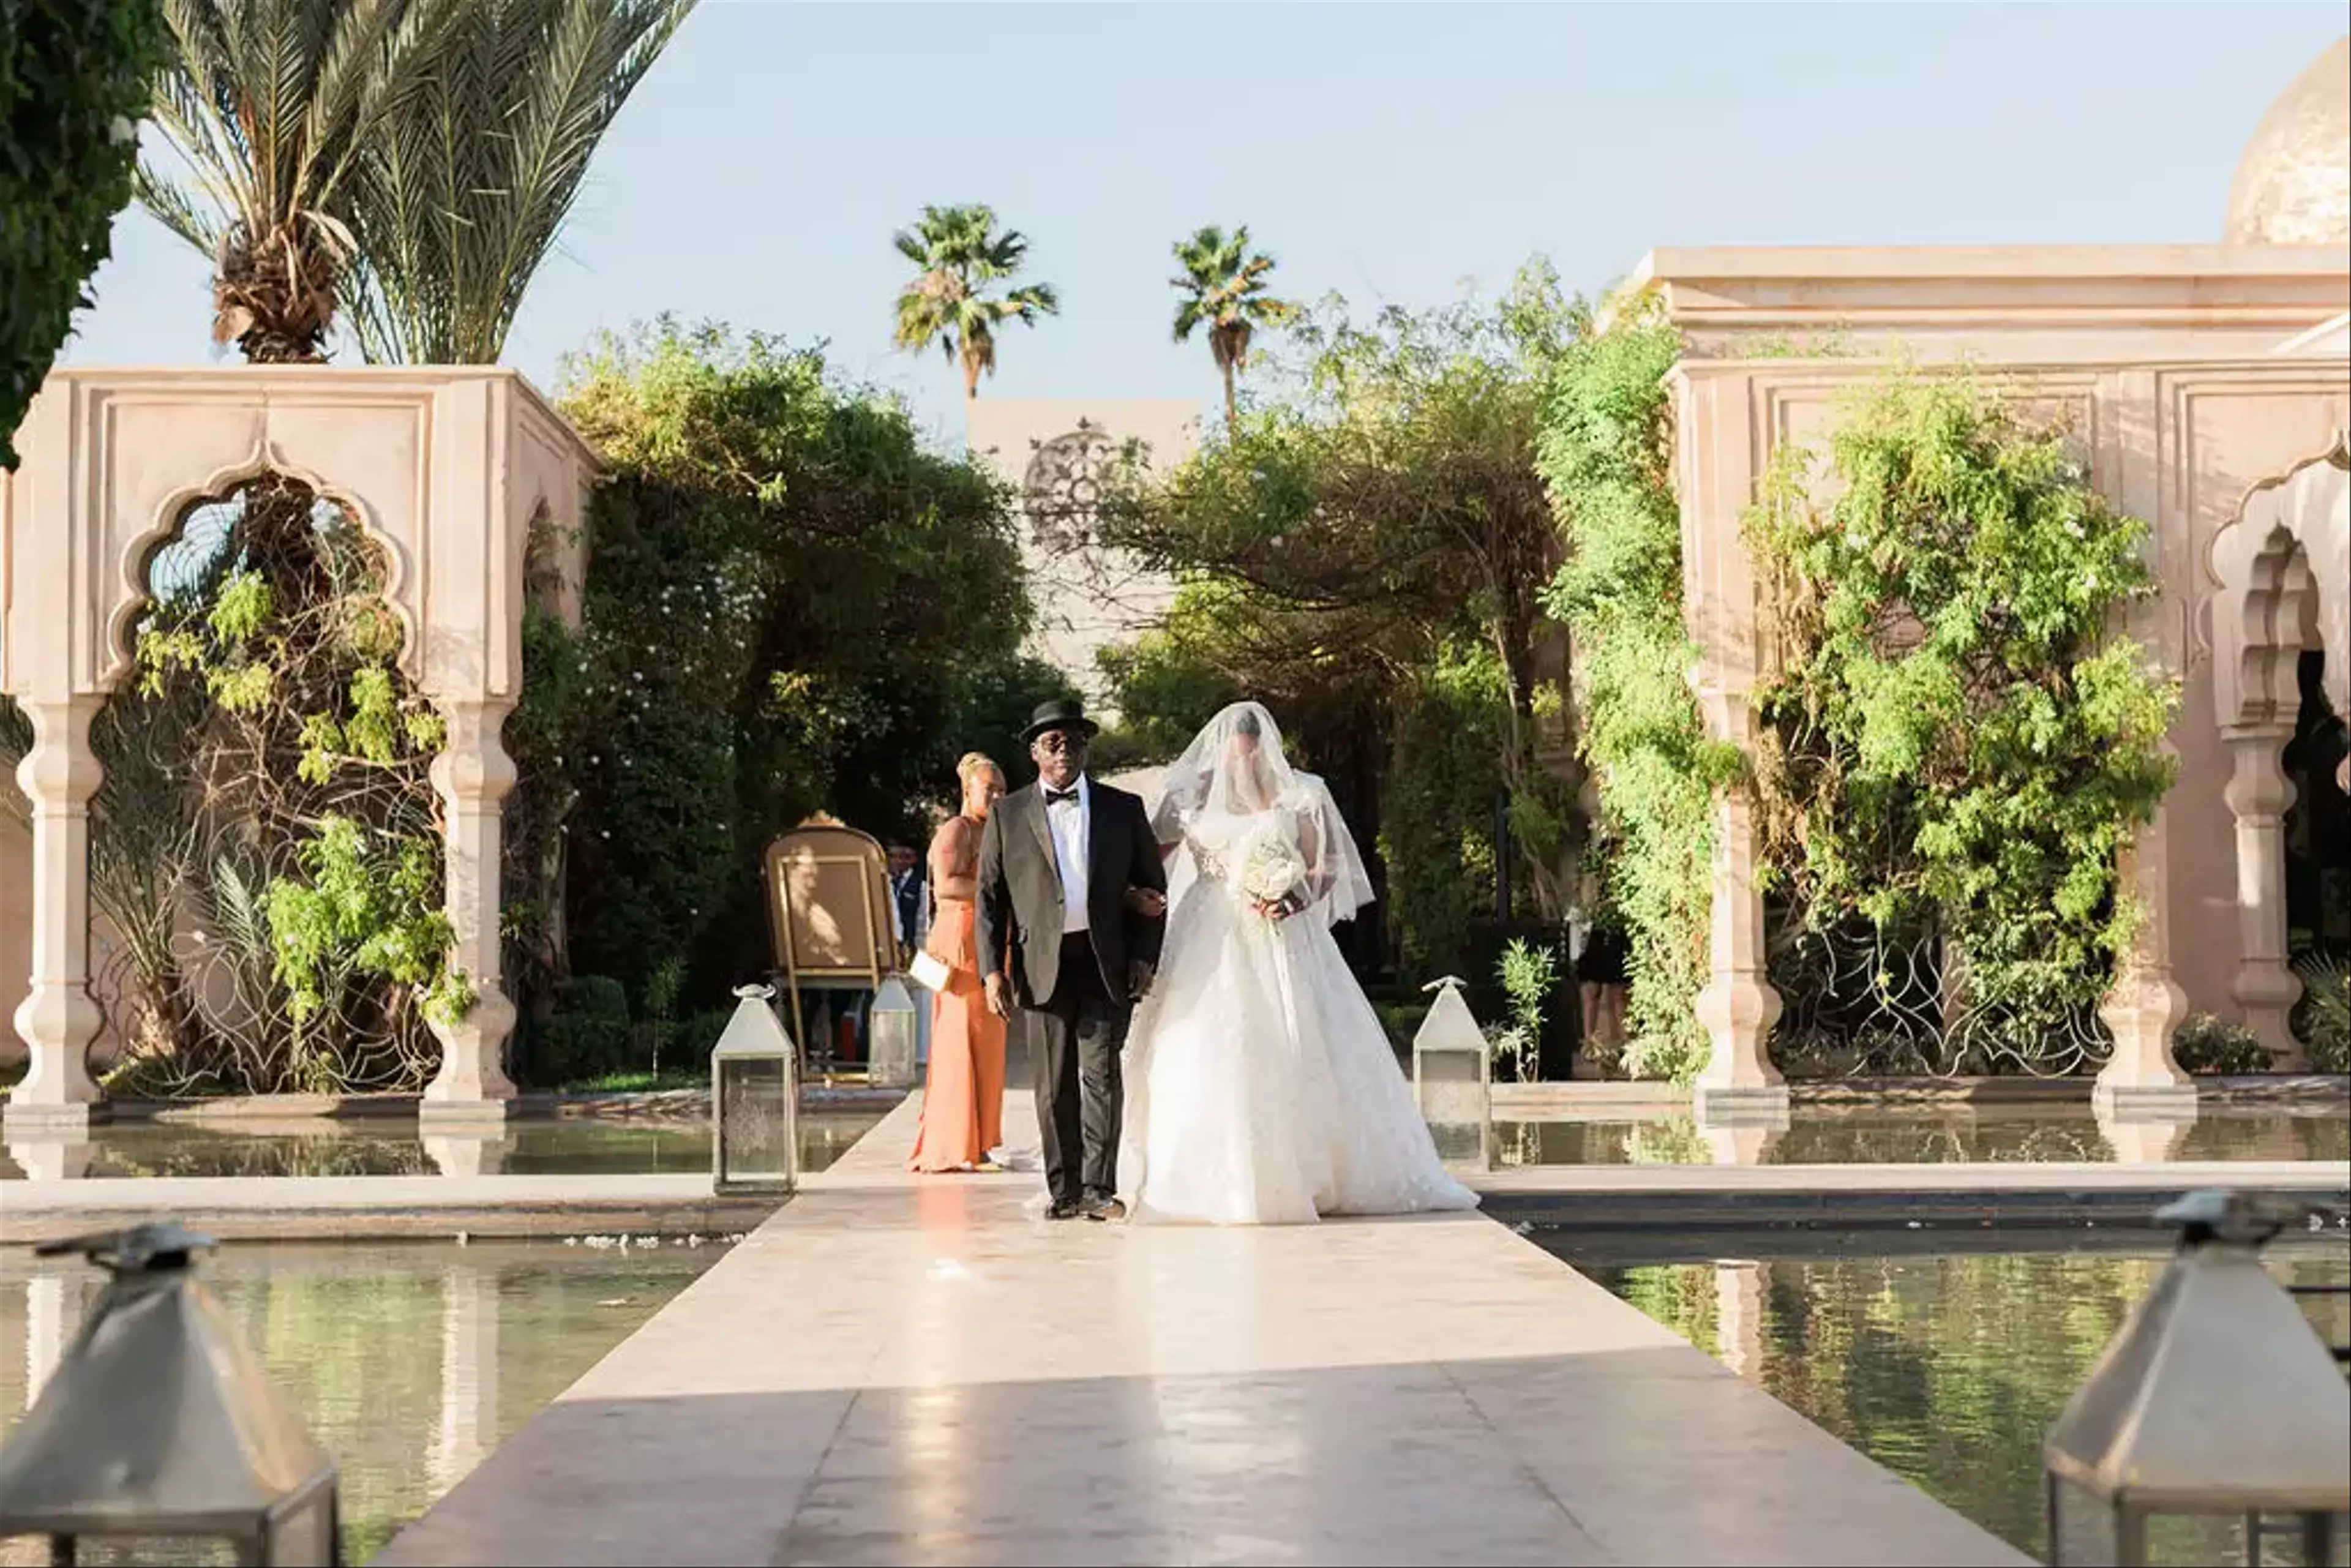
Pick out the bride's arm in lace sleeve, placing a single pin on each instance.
(1336, 881)
(1315, 885)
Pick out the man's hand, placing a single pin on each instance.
(998, 1001)
(1139, 976)
(1147, 901)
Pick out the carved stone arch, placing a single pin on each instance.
(135, 559)
(440, 468)
(2281, 569)
(2282, 563)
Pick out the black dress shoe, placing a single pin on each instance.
(1106, 1209)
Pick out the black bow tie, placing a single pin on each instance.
(1055, 797)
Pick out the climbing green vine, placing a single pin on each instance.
(274, 797)
(1958, 743)
(1606, 457)
(367, 909)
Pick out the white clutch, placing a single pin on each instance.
(930, 973)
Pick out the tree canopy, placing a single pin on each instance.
(1372, 538)
(73, 86)
(791, 605)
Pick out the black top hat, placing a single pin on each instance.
(1061, 713)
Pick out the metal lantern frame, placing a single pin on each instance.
(158, 1422)
(892, 1035)
(2216, 1399)
(753, 1038)
(1449, 1033)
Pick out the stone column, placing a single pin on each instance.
(1749, 1141)
(1736, 1006)
(474, 774)
(58, 1021)
(469, 1374)
(2146, 1005)
(467, 1151)
(2138, 1139)
(2258, 794)
(48, 1156)
(1738, 1315)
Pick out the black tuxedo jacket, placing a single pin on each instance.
(1020, 892)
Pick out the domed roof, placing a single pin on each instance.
(2293, 184)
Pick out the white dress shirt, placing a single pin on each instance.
(1072, 828)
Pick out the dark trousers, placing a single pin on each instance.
(1075, 1037)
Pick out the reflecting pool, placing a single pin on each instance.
(410, 1362)
(1947, 1365)
(1934, 1134)
(572, 1146)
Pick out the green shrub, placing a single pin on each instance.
(588, 1034)
(1529, 972)
(2205, 1044)
(2324, 1019)
(701, 1035)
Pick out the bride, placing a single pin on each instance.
(1262, 1088)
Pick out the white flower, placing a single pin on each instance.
(1271, 870)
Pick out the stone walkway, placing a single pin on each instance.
(898, 1371)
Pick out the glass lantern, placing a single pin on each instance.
(2216, 1414)
(159, 1426)
(1452, 1077)
(755, 1095)
(892, 1030)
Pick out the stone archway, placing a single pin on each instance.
(2283, 566)
(444, 467)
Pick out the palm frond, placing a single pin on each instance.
(264, 107)
(463, 189)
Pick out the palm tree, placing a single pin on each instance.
(463, 189)
(267, 105)
(410, 160)
(1224, 288)
(961, 254)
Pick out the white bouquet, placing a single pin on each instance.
(1272, 873)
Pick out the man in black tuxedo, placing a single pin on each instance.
(1071, 910)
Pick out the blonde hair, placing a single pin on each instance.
(972, 762)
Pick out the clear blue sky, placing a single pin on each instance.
(1389, 151)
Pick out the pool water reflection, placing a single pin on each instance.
(578, 1146)
(1946, 1366)
(409, 1362)
(1938, 1135)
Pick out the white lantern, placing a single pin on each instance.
(891, 1037)
(159, 1425)
(2217, 1398)
(1452, 1077)
(754, 1096)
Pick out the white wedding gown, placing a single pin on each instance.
(1262, 1088)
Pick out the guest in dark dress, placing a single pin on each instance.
(1602, 970)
